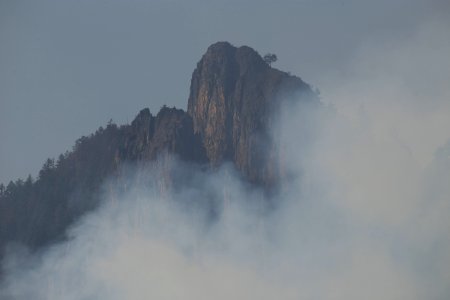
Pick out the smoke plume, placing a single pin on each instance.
(364, 212)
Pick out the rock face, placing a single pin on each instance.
(170, 131)
(233, 101)
(233, 104)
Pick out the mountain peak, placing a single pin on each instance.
(222, 53)
(233, 99)
(222, 47)
(233, 103)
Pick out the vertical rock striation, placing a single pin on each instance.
(170, 131)
(234, 100)
(233, 104)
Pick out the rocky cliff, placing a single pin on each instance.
(234, 101)
(170, 131)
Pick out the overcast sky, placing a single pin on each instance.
(67, 67)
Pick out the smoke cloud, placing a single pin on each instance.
(365, 213)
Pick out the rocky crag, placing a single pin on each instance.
(234, 100)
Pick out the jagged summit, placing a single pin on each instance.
(170, 131)
(233, 103)
(223, 53)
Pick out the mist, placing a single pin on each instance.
(364, 211)
(79, 64)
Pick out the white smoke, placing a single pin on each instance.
(366, 216)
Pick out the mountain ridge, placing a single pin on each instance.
(233, 103)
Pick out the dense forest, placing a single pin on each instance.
(36, 211)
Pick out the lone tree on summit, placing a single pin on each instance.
(270, 58)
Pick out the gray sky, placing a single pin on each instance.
(67, 67)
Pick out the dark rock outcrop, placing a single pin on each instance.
(233, 103)
(170, 131)
(234, 100)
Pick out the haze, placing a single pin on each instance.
(68, 67)
(365, 213)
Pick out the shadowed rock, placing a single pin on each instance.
(233, 105)
(234, 101)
